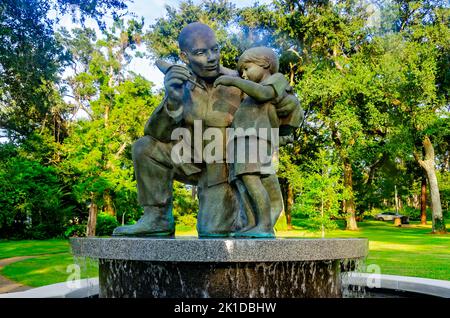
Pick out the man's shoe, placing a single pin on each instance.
(154, 222)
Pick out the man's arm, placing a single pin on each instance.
(261, 93)
(168, 115)
(161, 124)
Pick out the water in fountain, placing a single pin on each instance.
(350, 267)
(86, 266)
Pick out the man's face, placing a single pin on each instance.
(203, 56)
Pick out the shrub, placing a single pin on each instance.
(31, 200)
(413, 214)
(75, 230)
(321, 193)
(188, 220)
(372, 213)
(185, 207)
(105, 224)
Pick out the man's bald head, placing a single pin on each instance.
(193, 31)
(200, 51)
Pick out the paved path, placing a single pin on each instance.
(7, 285)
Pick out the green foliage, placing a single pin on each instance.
(97, 159)
(281, 224)
(75, 230)
(188, 220)
(371, 93)
(31, 200)
(89, 9)
(185, 206)
(30, 58)
(376, 93)
(162, 39)
(105, 224)
(371, 213)
(444, 182)
(413, 214)
(320, 193)
(90, 159)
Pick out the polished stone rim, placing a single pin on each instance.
(219, 250)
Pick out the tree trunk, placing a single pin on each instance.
(288, 206)
(428, 165)
(423, 201)
(108, 106)
(291, 73)
(109, 209)
(92, 219)
(194, 192)
(416, 201)
(106, 115)
(446, 165)
(349, 203)
(396, 200)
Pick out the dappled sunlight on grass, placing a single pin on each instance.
(46, 269)
(392, 246)
(296, 233)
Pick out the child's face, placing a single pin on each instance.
(253, 72)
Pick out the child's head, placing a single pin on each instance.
(263, 57)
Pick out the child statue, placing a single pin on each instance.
(265, 88)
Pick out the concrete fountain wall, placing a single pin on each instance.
(219, 268)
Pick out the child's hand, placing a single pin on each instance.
(224, 80)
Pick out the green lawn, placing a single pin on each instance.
(48, 267)
(27, 248)
(408, 251)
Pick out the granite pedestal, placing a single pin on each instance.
(219, 268)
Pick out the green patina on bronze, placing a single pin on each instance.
(245, 204)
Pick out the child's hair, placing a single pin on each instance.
(261, 56)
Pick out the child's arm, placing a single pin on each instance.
(261, 93)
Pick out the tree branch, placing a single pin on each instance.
(406, 19)
(87, 111)
(429, 150)
(373, 167)
(121, 149)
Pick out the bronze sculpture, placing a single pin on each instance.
(192, 101)
(264, 88)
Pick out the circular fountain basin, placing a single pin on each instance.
(219, 268)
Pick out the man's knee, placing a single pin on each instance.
(140, 148)
(148, 151)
